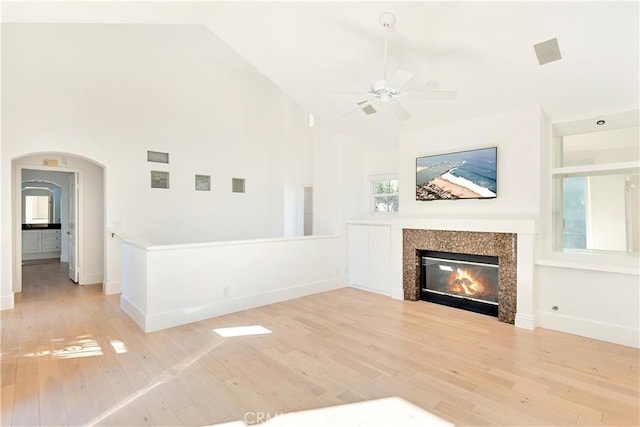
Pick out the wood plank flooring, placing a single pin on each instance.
(70, 356)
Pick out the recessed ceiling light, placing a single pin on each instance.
(600, 122)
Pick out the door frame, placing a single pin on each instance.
(17, 216)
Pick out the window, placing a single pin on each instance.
(596, 187)
(385, 197)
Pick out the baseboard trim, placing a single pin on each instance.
(90, 278)
(525, 321)
(112, 288)
(397, 294)
(375, 291)
(609, 332)
(6, 302)
(133, 312)
(182, 316)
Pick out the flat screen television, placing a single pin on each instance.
(467, 174)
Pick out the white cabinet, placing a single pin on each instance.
(31, 241)
(39, 244)
(368, 252)
(50, 240)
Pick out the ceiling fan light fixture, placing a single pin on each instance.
(385, 97)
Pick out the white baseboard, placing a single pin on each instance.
(112, 288)
(90, 278)
(40, 255)
(184, 315)
(136, 314)
(6, 302)
(397, 294)
(375, 291)
(589, 328)
(525, 321)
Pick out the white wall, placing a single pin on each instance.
(352, 186)
(595, 304)
(382, 162)
(173, 285)
(297, 168)
(326, 182)
(517, 135)
(109, 93)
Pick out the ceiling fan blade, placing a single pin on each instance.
(433, 94)
(399, 111)
(342, 92)
(399, 79)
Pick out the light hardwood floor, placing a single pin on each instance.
(64, 363)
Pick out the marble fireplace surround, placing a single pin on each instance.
(511, 240)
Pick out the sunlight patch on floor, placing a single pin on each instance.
(118, 346)
(163, 377)
(388, 411)
(83, 346)
(240, 331)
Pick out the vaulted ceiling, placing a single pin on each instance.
(483, 50)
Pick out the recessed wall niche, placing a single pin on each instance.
(159, 179)
(157, 157)
(238, 185)
(203, 183)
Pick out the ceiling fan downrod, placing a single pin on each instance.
(387, 20)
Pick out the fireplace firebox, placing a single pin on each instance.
(464, 281)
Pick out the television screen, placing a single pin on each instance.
(462, 175)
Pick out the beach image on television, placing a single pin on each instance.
(462, 175)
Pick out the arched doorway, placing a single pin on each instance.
(80, 215)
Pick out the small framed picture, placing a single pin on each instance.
(159, 179)
(203, 183)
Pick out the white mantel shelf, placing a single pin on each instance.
(519, 226)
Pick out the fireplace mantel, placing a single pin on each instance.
(518, 226)
(525, 229)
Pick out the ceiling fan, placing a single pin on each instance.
(386, 93)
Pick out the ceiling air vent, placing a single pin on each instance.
(548, 51)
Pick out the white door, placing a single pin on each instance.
(72, 234)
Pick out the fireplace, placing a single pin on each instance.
(502, 246)
(464, 281)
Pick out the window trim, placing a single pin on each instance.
(372, 194)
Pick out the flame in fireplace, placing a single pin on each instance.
(464, 283)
